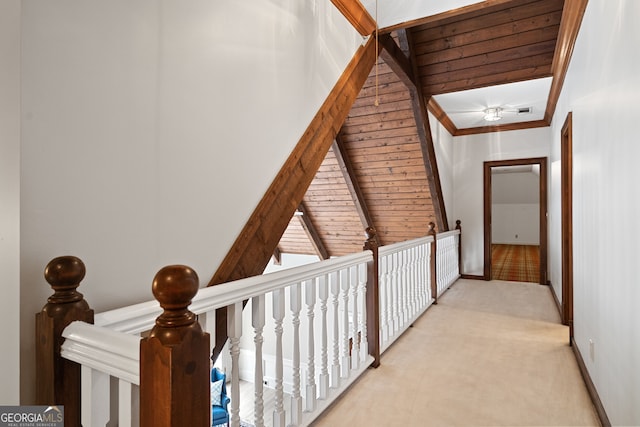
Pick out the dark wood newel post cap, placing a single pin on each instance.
(432, 228)
(174, 287)
(370, 233)
(64, 274)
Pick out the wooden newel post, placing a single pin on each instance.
(372, 298)
(174, 358)
(58, 379)
(432, 263)
(459, 227)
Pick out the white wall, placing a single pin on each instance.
(443, 146)
(10, 199)
(515, 224)
(151, 130)
(397, 11)
(470, 153)
(601, 89)
(515, 208)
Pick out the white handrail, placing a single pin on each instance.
(141, 317)
(396, 247)
(446, 234)
(104, 350)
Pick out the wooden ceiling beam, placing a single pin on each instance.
(572, 14)
(502, 128)
(344, 161)
(442, 117)
(421, 114)
(312, 232)
(396, 59)
(357, 15)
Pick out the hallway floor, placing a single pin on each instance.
(489, 354)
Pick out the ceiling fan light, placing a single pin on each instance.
(493, 114)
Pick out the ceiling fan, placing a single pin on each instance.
(495, 113)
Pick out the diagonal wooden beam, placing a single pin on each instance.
(357, 15)
(396, 59)
(312, 232)
(255, 244)
(572, 14)
(421, 115)
(348, 172)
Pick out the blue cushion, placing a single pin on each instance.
(216, 392)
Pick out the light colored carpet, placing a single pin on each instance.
(489, 354)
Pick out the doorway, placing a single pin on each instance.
(541, 164)
(566, 183)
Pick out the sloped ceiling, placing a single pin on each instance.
(464, 57)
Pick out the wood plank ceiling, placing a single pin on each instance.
(378, 172)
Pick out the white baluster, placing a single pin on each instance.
(344, 286)
(411, 281)
(396, 292)
(335, 367)
(424, 274)
(355, 350)
(95, 404)
(416, 280)
(383, 278)
(257, 321)
(295, 300)
(458, 272)
(439, 259)
(208, 323)
(323, 293)
(234, 332)
(404, 300)
(362, 286)
(310, 300)
(278, 317)
(128, 404)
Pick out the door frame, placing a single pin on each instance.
(542, 162)
(566, 185)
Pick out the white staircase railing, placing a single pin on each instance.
(447, 259)
(405, 286)
(341, 278)
(313, 317)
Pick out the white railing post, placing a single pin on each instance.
(95, 392)
(128, 404)
(355, 340)
(234, 332)
(395, 292)
(335, 366)
(404, 299)
(295, 300)
(362, 286)
(323, 293)
(278, 317)
(344, 286)
(310, 299)
(384, 299)
(257, 321)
